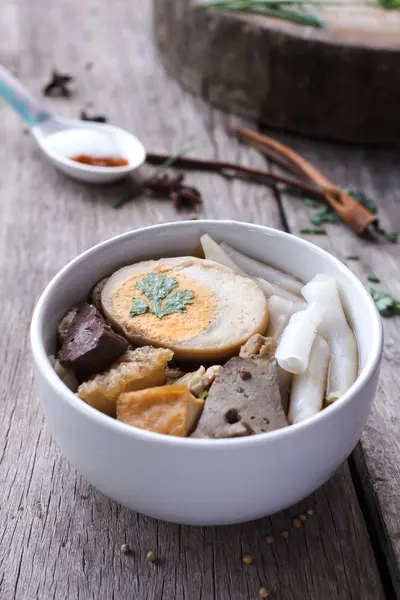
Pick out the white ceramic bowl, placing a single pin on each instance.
(194, 481)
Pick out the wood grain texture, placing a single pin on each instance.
(377, 458)
(59, 538)
(339, 82)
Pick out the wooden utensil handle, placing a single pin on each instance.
(350, 211)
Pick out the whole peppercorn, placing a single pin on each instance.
(247, 559)
(126, 549)
(270, 539)
(263, 592)
(284, 534)
(296, 523)
(151, 557)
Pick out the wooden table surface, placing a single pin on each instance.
(59, 537)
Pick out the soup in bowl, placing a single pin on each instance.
(206, 372)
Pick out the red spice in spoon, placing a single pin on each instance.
(100, 161)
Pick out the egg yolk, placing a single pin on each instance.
(176, 327)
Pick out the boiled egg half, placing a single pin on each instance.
(198, 308)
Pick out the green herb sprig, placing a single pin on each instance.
(288, 10)
(157, 287)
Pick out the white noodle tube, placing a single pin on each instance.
(280, 311)
(271, 289)
(334, 328)
(294, 347)
(256, 268)
(308, 388)
(213, 251)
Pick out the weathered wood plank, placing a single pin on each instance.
(59, 538)
(287, 75)
(378, 455)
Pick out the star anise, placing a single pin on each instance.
(183, 197)
(58, 85)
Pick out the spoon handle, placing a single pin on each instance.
(31, 110)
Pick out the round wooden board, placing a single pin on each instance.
(340, 82)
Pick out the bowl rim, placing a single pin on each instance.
(43, 364)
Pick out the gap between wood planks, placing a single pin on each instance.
(370, 506)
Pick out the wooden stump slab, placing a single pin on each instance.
(339, 82)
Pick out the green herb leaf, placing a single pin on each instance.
(157, 287)
(311, 203)
(391, 236)
(168, 163)
(139, 307)
(373, 279)
(352, 257)
(176, 302)
(313, 230)
(385, 303)
(203, 395)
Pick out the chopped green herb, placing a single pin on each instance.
(324, 215)
(313, 230)
(373, 279)
(391, 236)
(352, 257)
(385, 303)
(157, 287)
(311, 203)
(168, 163)
(139, 307)
(204, 395)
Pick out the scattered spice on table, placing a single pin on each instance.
(325, 214)
(95, 118)
(373, 279)
(303, 517)
(313, 230)
(150, 556)
(263, 592)
(296, 522)
(100, 161)
(247, 559)
(126, 549)
(58, 86)
(285, 534)
(385, 303)
(270, 539)
(352, 257)
(183, 197)
(310, 511)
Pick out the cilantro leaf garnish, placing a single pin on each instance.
(176, 302)
(139, 307)
(157, 287)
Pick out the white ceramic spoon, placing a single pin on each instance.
(59, 139)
